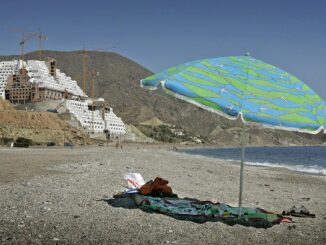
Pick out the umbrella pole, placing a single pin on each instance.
(243, 143)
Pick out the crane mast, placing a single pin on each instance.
(84, 53)
(41, 38)
(26, 36)
(24, 39)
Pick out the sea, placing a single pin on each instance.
(308, 159)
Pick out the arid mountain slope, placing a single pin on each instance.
(40, 127)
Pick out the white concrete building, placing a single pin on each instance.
(97, 120)
(39, 73)
(7, 68)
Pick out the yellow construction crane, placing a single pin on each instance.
(84, 54)
(93, 74)
(92, 90)
(41, 38)
(25, 36)
(92, 94)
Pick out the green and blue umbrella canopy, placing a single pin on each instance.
(241, 86)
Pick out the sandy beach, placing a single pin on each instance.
(53, 196)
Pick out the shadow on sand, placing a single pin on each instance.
(122, 202)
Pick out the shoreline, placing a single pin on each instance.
(299, 167)
(248, 146)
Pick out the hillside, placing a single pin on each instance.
(118, 83)
(40, 127)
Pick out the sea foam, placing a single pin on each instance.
(300, 168)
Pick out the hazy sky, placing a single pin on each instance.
(290, 34)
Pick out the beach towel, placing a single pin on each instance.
(203, 211)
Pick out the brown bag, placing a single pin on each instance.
(158, 185)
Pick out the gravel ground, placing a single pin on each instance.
(53, 196)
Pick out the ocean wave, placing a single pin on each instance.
(314, 169)
(293, 158)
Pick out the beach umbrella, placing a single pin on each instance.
(247, 88)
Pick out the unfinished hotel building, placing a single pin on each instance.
(36, 81)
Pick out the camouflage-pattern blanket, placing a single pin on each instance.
(202, 211)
